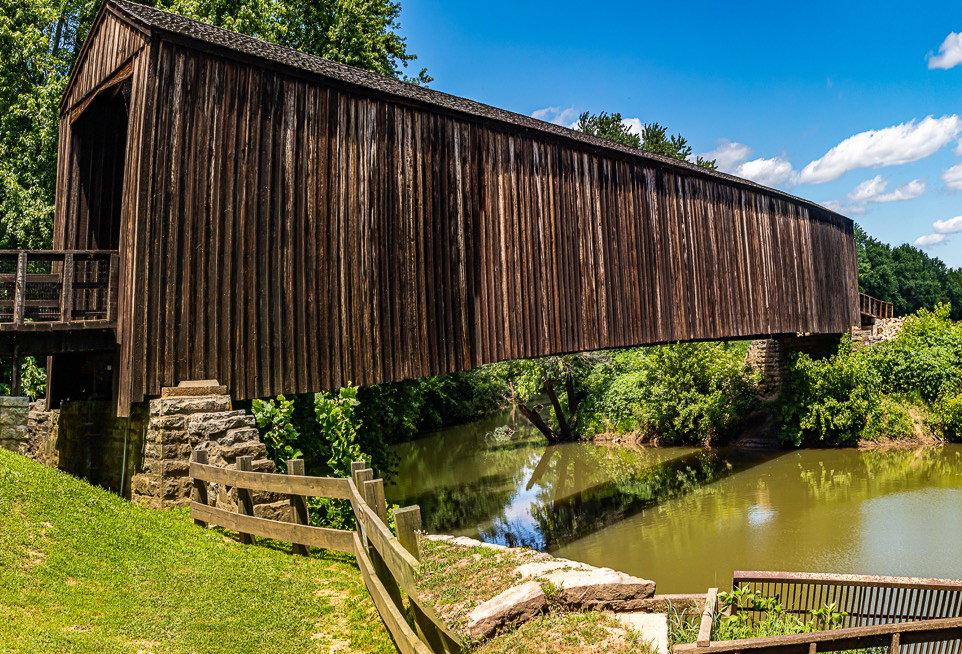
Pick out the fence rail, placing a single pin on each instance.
(870, 306)
(905, 614)
(52, 289)
(388, 563)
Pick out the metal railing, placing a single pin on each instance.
(47, 288)
(870, 306)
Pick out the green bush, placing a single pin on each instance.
(891, 419)
(277, 432)
(398, 411)
(830, 400)
(682, 393)
(947, 417)
(925, 359)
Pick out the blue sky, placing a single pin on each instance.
(856, 105)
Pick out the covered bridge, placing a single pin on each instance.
(230, 209)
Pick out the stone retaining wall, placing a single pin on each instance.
(147, 457)
(772, 356)
(883, 329)
(14, 434)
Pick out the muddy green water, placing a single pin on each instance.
(688, 517)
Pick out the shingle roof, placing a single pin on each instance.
(248, 45)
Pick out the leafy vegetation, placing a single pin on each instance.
(569, 633)
(39, 40)
(82, 570)
(653, 137)
(893, 390)
(906, 276)
(686, 393)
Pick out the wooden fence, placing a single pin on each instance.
(903, 614)
(51, 289)
(870, 306)
(388, 564)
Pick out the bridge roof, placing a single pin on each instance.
(287, 57)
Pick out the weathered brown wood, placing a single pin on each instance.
(290, 484)
(405, 639)
(199, 493)
(919, 583)
(707, 618)
(922, 631)
(332, 539)
(374, 491)
(285, 224)
(299, 512)
(245, 504)
(20, 289)
(407, 521)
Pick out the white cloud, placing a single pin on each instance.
(769, 172)
(633, 124)
(953, 177)
(728, 155)
(950, 226)
(913, 189)
(928, 240)
(868, 189)
(844, 209)
(890, 146)
(566, 117)
(950, 52)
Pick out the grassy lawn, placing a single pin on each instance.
(82, 570)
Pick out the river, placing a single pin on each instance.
(687, 517)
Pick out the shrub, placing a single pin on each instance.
(947, 417)
(830, 400)
(891, 419)
(925, 359)
(277, 431)
(683, 393)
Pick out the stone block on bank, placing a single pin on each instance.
(653, 628)
(190, 405)
(601, 588)
(517, 604)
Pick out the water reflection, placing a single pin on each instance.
(687, 517)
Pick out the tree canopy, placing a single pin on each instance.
(39, 40)
(653, 138)
(906, 276)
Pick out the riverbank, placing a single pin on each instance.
(82, 570)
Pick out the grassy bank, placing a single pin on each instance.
(84, 571)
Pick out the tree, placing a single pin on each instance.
(39, 40)
(906, 276)
(653, 138)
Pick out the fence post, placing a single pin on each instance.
(707, 617)
(245, 505)
(374, 496)
(408, 523)
(361, 476)
(20, 288)
(113, 276)
(299, 514)
(66, 288)
(200, 486)
(894, 645)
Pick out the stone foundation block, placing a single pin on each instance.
(189, 405)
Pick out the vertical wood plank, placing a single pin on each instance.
(245, 504)
(298, 503)
(199, 491)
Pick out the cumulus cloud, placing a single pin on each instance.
(950, 53)
(950, 226)
(844, 209)
(770, 172)
(953, 177)
(728, 155)
(890, 146)
(868, 189)
(928, 240)
(913, 189)
(566, 117)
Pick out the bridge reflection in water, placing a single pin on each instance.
(688, 517)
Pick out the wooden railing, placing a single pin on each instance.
(903, 614)
(389, 565)
(866, 600)
(870, 306)
(54, 289)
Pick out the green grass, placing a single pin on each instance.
(82, 570)
(569, 633)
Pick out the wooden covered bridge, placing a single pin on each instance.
(230, 209)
